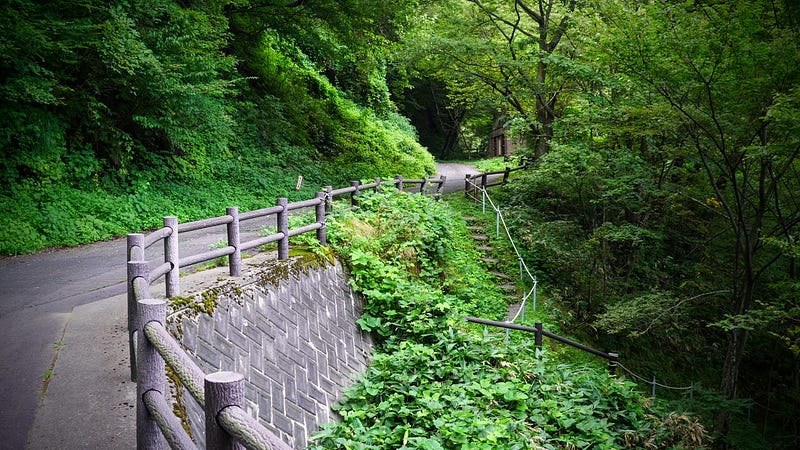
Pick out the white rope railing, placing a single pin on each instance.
(524, 270)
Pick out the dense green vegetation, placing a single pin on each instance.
(118, 113)
(436, 382)
(663, 206)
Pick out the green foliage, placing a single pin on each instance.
(118, 114)
(436, 382)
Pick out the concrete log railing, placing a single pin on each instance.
(152, 348)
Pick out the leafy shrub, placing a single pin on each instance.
(436, 382)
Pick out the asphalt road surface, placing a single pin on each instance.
(38, 292)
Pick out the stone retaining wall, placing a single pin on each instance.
(290, 328)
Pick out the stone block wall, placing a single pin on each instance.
(291, 329)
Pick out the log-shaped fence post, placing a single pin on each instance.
(135, 253)
(467, 184)
(399, 183)
(320, 213)
(354, 196)
(505, 174)
(172, 256)
(151, 375)
(283, 227)
(222, 389)
(613, 362)
(234, 239)
(328, 199)
(538, 335)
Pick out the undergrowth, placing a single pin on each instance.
(436, 382)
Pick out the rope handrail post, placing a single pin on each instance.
(328, 199)
(283, 227)
(497, 221)
(354, 196)
(135, 253)
(222, 389)
(234, 240)
(613, 362)
(319, 211)
(172, 255)
(483, 199)
(150, 374)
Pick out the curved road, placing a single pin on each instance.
(39, 291)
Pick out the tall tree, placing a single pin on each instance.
(509, 50)
(730, 72)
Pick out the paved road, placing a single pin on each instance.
(39, 291)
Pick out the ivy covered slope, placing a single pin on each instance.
(118, 113)
(436, 382)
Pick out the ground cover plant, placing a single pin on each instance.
(436, 382)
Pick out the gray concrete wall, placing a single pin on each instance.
(290, 328)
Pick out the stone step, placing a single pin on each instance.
(490, 260)
(509, 287)
(470, 218)
(481, 237)
(476, 227)
(501, 275)
(512, 310)
(485, 248)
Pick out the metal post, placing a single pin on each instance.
(654, 386)
(483, 200)
(283, 227)
(497, 221)
(172, 256)
(328, 199)
(135, 253)
(613, 362)
(354, 196)
(234, 240)
(222, 389)
(320, 213)
(151, 375)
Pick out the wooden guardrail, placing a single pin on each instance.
(539, 332)
(222, 393)
(474, 185)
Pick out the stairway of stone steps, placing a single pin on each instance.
(484, 246)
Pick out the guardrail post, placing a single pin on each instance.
(505, 174)
(440, 187)
(222, 389)
(538, 338)
(378, 183)
(423, 185)
(354, 196)
(283, 227)
(234, 240)
(135, 253)
(328, 199)
(467, 183)
(151, 375)
(399, 183)
(172, 256)
(320, 213)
